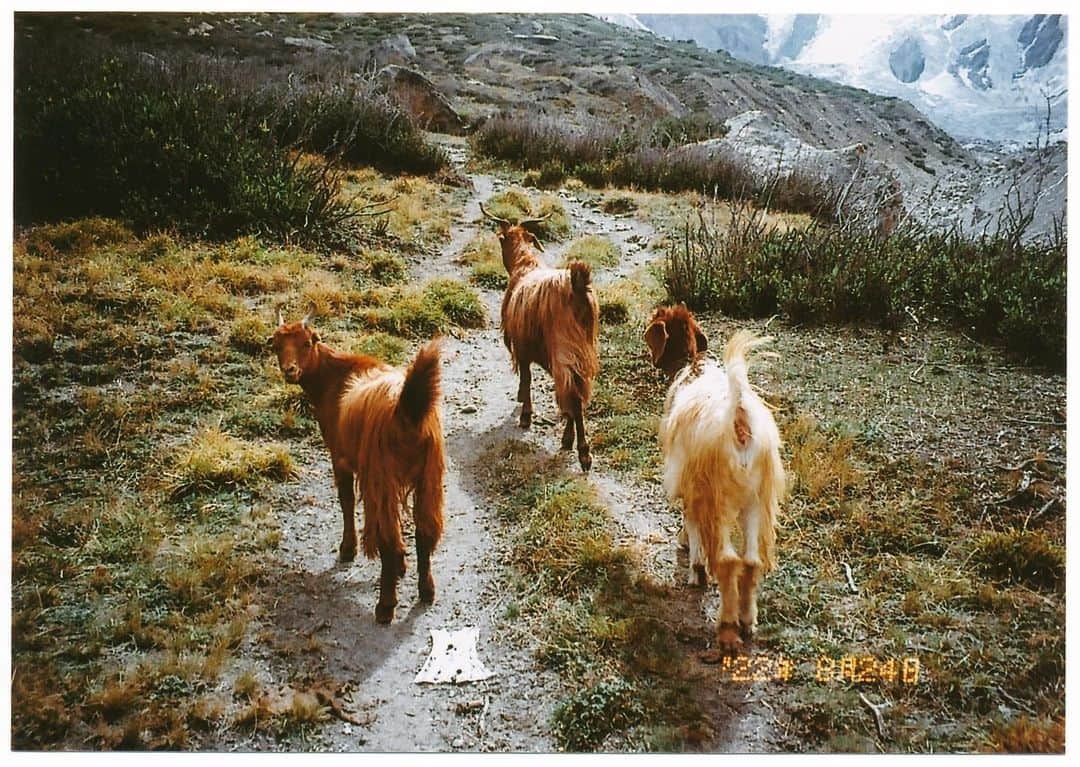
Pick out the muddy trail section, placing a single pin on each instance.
(317, 629)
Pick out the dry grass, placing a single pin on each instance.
(597, 252)
(420, 210)
(216, 459)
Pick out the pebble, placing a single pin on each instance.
(458, 743)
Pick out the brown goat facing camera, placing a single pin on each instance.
(550, 317)
(382, 427)
(722, 459)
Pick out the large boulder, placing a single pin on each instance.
(868, 190)
(420, 98)
(395, 49)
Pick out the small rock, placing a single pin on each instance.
(468, 409)
(458, 743)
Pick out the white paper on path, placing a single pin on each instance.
(453, 658)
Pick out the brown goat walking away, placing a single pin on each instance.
(383, 430)
(550, 317)
(722, 458)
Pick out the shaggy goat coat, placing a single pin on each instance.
(550, 317)
(392, 421)
(384, 433)
(722, 456)
(722, 459)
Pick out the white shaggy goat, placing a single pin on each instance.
(722, 458)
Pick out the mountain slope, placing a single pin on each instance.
(978, 77)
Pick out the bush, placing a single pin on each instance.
(205, 150)
(662, 158)
(995, 287)
(597, 252)
(357, 124)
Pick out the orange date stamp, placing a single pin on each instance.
(859, 669)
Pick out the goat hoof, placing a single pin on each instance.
(699, 578)
(427, 592)
(568, 443)
(384, 613)
(347, 553)
(727, 639)
(585, 459)
(526, 420)
(747, 630)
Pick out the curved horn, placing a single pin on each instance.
(308, 316)
(493, 218)
(280, 317)
(527, 221)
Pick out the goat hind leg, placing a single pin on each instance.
(525, 394)
(392, 555)
(427, 514)
(751, 522)
(727, 572)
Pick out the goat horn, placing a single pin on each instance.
(527, 221)
(308, 316)
(493, 218)
(280, 317)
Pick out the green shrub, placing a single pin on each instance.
(205, 149)
(592, 713)
(997, 288)
(354, 122)
(385, 268)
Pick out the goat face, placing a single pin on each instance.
(294, 345)
(674, 338)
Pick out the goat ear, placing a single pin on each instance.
(656, 337)
(701, 339)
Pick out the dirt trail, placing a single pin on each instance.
(321, 625)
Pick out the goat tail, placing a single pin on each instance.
(580, 277)
(583, 301)
(735, 363)
(420, 391)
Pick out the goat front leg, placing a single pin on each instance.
(568, 432)
(347, 498)
(584, 455)
(697, 576)
(525, 394)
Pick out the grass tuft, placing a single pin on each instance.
(1021, 557)
(597, 252)
(215, 459)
